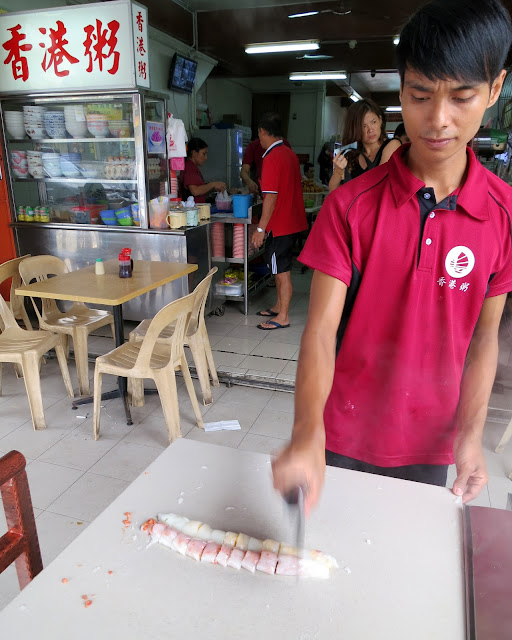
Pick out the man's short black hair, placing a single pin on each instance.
(400, 130)
(271, 123)
(465, 40)
(307, 167)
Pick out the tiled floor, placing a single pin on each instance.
(73, 478)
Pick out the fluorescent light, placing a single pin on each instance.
(327, 75)
(396, 40)
(312, 56)
(304, 15)
(354, 96)
(394, 109)
(277, 47)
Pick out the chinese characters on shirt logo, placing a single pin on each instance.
(453, 284)
(99, 46)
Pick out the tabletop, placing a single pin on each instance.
(398, 545)
(83, 285)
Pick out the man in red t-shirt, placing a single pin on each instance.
(415, 258)
(283, 216)
(252, 163)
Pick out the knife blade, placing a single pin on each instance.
(295, 500)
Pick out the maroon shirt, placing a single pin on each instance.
(191, 175)
(416, 300)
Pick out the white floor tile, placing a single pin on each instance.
(78, 450)
(88, 497)
(277, 424)
(247, 396)
(267, 376)
(29, 442)
(262, 444)
(290, 368)
(242, 346)
(126, 460)
(275, 350)
(289, 336)
(499, 488)
(264, 364)
(246, 415)
(55, 533)
(48, 481)
(246, 331)
(223, 359)
(282, 401)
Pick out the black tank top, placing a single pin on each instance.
(358, 169)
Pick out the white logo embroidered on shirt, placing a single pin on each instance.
(459, 262)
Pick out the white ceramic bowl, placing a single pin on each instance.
(20, 172)
(16, 131)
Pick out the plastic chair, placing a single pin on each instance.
(196, 337)
(10, 269)
(149, 359)
(25, 349)
(77, 322)
(20, 544)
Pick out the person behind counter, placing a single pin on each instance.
(191, 179)
(309, 171)
(415, 258)
(366, 125)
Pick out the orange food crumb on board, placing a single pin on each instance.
(88, 603)
(128, 518)
(110, 572)
(64, 580)
(148, 524)
(84, 597)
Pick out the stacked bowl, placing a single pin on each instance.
(14, 124)
(35, 164)
(74, 120)
(108, 216)
(19, 163)
(54, 124)
(119, 128)
(69, 163)
(124, 217)
(51, 164)
(33, 121)
(97, 124)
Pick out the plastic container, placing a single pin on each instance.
(204, 210)
(125, 269)
(192, 217)
(158, 215)
(223, 205)
(241, 204)
(234, 289)
(99, 267)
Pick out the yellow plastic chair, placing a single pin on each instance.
(78, 322)
(10, 269)
(151, 359)
(196, 337)
(25, 349)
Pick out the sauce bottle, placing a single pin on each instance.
(99, 267)
(125, 270)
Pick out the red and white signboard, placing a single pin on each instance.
(81, 47)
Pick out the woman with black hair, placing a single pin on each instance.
(365, 124)
(191, 180)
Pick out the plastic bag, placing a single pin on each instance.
(223, 200)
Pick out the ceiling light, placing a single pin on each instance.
(304, 15)
(312, 56)
(394, 109)
(277, 47)
(354, 96)
(323, 75)
(396, 40)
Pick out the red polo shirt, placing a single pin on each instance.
(253, 155)
(191, 175)
(281, 175)
(413, 302)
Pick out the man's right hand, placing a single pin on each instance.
(253, 187)
(302, 463)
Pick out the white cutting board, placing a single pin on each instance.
(399, 546)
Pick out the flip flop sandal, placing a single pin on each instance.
(276, 326)
(268, 313)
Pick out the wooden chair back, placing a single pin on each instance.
(10, 269)
(201, 295)
(176, 312)
(20, 544)
(40, 268)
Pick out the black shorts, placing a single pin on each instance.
(427, 473)
(278, 252)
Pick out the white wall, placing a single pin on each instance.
(334, 119)
(223, 95)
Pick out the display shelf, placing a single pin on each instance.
(76, 180)
(69, 140)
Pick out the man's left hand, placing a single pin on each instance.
(472, 473)
(257, 239)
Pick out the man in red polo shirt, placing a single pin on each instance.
(283, 216)
(252, 163)
(415, 258)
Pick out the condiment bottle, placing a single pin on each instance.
(99, 267)
(125, 270)
(128, 252)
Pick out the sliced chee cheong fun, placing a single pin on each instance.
(204, 532)
(164, 534)
(218, 536)
(210, 553)
(267, 562)
(230, 538)
(173, 520)
(288, 550)
(250, 561)
(256, 545)
(287, 566)
(235, 559)
(195, 548)
(224, 553)
(242, 542)
(180, 543)
(270, 545)
(192, 527)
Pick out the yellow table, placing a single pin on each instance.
(83, 285)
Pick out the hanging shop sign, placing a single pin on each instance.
(94, 46)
